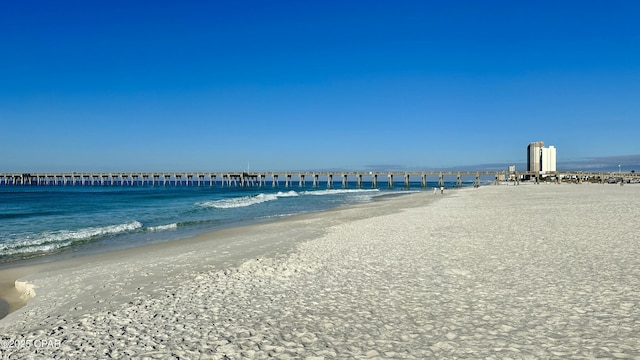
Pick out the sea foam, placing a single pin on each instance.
(163, 227)
(244, 201)
(338, 191)
(51, 240)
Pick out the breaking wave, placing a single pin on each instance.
(245, 201)
(163, 227)
(32, 243)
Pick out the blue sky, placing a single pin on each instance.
(310, 85)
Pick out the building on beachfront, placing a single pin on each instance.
(541, 159)
(512, 173)
(534, 158)
(548, 161)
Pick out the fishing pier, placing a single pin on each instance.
(302, 178)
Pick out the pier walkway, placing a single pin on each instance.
(329, 178)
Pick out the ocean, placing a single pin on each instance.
(39, 221)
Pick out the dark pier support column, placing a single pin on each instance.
(345, 181)
(390, 181)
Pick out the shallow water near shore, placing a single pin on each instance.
(36, 222)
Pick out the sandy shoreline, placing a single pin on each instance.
(234, 252)
(547, 271)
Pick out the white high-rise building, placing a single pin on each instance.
(541, 159)
(548, 159)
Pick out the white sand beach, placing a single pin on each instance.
(499, 272)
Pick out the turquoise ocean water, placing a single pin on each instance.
(37, 221)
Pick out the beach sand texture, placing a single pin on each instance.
(522, 272)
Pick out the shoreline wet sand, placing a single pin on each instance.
(545, 271)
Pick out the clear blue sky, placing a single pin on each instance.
(295, 85)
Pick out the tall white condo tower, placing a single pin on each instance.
(541, 159)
